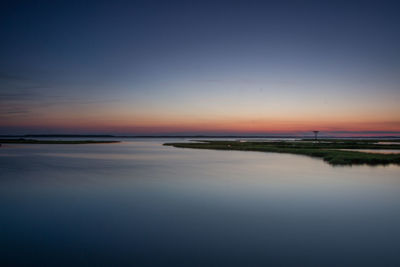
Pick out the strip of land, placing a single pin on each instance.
(72, 142)
(328, 150)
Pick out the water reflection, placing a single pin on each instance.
(141, 203)
(377, 151)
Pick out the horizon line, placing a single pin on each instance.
(203, 135)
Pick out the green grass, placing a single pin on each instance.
(329, 152)
(72, 142)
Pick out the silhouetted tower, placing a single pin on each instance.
(316, 134)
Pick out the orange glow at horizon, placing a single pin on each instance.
(211, 117)
(217, 125)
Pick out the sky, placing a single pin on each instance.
(200, 67)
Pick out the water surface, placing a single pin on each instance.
(144, 204)
(376, 151)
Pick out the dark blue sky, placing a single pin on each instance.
(136, 65)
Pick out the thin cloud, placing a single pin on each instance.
(12, 77)
(18, 96)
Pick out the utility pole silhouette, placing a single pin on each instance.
(316, 135)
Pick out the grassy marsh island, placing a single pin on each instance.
(72, 142)
(330, 150)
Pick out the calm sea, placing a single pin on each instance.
(139, 203)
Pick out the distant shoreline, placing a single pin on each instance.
(72, 142)
(189, 136)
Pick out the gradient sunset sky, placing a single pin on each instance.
(200, 67)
